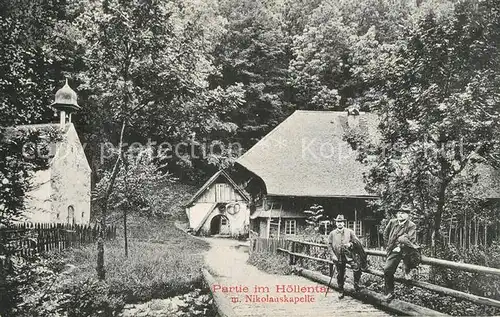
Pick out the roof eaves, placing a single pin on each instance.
(210, 182)
(202, 188)
(236, 186)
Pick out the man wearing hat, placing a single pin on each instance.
(341, 242)
(400, 236)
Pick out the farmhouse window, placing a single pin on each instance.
(223, 221)
(290, 227)
(357, 226)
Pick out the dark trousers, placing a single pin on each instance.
(391, 264)
(341, 273)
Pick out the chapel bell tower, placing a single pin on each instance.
(65, 102)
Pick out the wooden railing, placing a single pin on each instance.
(28, 239)
(295, 245)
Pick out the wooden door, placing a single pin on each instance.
(224, 226)
(71, 215)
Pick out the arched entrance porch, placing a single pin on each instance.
(219, 225)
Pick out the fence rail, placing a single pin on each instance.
(425, 260)
(27, 239)
(293, 252)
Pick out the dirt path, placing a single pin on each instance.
(227, 262)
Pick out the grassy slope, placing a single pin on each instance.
(163, 261)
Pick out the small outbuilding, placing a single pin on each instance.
(219, 207)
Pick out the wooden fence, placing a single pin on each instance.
(298, 249)
(266, 245)
(28, 239)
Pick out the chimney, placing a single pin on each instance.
(65, 102)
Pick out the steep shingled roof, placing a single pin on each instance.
(306, 156)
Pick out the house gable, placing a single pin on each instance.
(219, 197)
(219, 188)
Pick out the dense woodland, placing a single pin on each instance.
(220, 72)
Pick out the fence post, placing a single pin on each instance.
(292, 257)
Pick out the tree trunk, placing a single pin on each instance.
(449, 230)
(101, 272)
(470, 232)
(436, 234)
(485, 233)
(476, 231)
(461, 237)
(125, 230)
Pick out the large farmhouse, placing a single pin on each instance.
(307, 161)
(302, 162)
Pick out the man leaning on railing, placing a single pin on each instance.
(400, 236)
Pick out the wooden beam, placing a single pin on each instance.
(442, 290)
(448, 264)
(300, 255)
(430, 261)
(309, 243)
(436, 288)
(396, 306)
(222, 303)
(197, 229)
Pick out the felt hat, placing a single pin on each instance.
(340, 218)
(405, 208)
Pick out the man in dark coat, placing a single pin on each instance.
(400, 236)
(344, 248)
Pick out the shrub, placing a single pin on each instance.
(479, 284)
(38, 287)
(162, 262)
(26, 288)
(91, 298)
